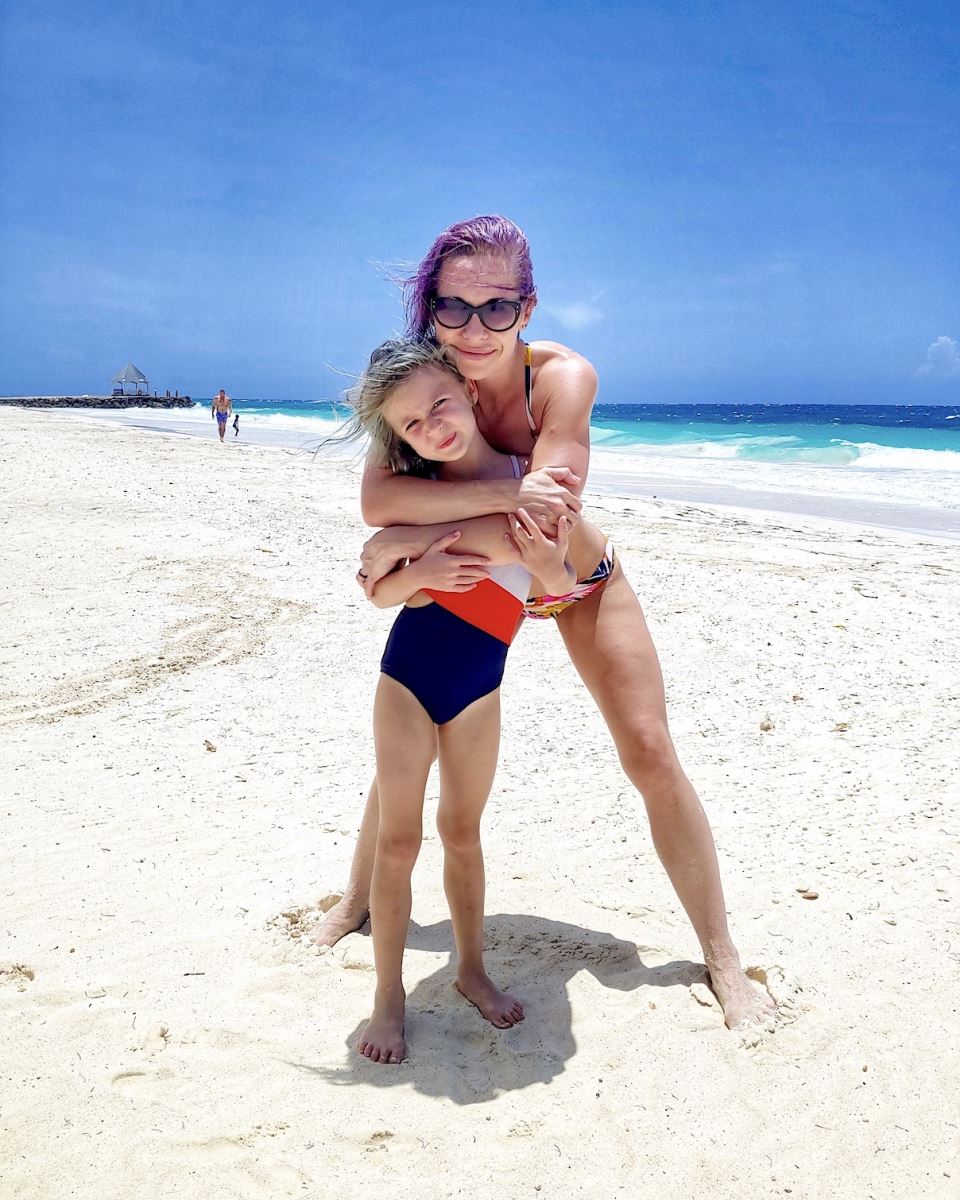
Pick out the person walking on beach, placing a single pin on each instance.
(236, 424)
(474, 292)
(221, 408)
(439, 690)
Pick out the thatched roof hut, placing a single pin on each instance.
(131, 381)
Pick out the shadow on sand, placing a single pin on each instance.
(467, 1059)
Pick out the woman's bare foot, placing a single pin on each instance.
(743, 1004)
(346, 916)
(382, 1038)
(499, 1008)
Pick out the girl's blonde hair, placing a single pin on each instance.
(390, 366)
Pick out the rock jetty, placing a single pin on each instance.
(99, 401)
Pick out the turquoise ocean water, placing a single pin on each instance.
(826, 435)
(892, 465)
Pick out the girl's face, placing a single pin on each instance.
(476, 280)
(433, 413)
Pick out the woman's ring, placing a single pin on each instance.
(362, 574)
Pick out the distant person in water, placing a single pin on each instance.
(236, 424)
(221, 408)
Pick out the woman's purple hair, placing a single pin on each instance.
(479, 235)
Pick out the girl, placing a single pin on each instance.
(438, 694)
(474, 292)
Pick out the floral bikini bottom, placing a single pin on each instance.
(541, 607)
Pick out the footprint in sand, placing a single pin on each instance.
(701, 992)
(199, 640)
(242, 1168)
(785, 993)
(352, 961)
(16, 975)
(135, 1079)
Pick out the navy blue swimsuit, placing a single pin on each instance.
(449, 661)
(444, 661)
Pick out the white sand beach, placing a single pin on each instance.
(186, 677)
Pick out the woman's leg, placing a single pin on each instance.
(468, 748)
(405, 739)
(353, 907)
(609, 643)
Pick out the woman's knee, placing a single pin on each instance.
(646, 751)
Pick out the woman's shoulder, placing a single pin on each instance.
(557, 366)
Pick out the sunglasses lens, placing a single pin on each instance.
(499, 315)
(451, 312)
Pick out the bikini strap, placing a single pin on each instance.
(528, 387)
(517, 467)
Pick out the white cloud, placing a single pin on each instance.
(943, 359)
(577, 315)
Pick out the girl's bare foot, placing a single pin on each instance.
(500, 1008)
(743, 1004)
(346, 916)
(382, 1038)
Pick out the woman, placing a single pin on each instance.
(474, 292)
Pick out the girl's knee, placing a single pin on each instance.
(458, 836)
(399, 845)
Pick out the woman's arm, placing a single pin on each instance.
(389, 499)
(568, 388)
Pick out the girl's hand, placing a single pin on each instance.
(445, 572)
(543, 556)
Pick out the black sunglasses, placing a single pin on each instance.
(496, 315)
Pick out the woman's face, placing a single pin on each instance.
(477, 279)
(433, 413)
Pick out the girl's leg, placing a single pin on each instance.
(468, 748)
(405, 739)
(608, 640)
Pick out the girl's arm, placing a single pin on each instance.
(481, 541)
(544, 557)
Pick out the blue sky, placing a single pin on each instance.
(744, 201)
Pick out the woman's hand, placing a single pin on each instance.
(380, 555)
(545, 496)
(445, 572)
(544, 557)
